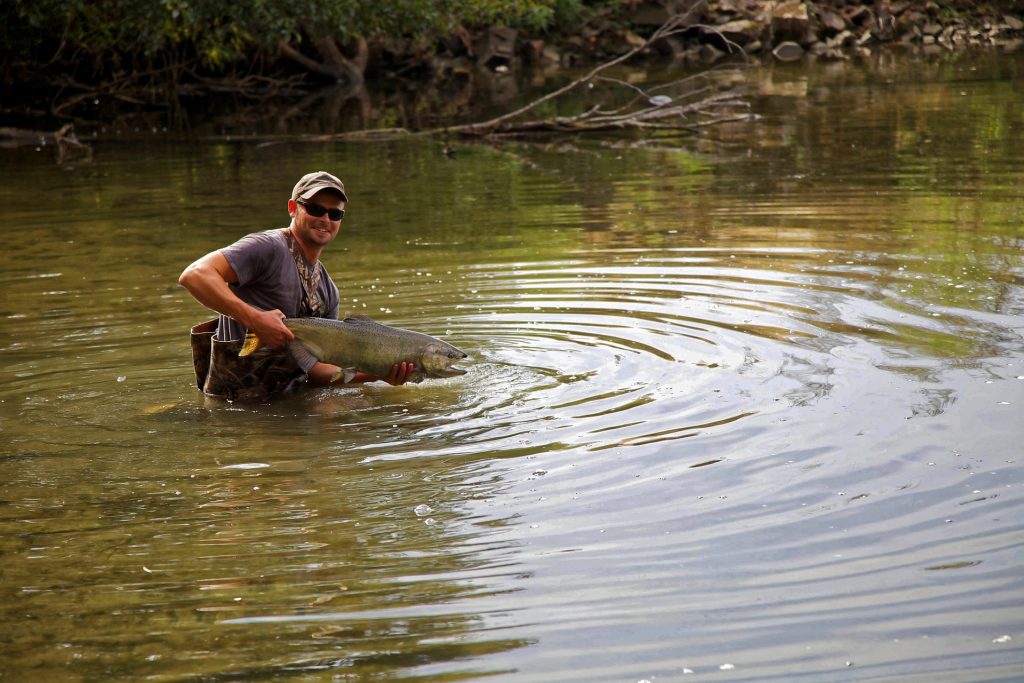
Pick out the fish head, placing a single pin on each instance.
(437, 359)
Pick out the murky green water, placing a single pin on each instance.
(749, 407)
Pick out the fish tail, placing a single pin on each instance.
(252, 342)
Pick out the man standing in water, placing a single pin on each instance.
(257, 282)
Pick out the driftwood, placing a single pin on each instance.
(688, 112)
(67, 143)
(659, 112)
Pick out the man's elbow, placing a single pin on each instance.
(187, 277)
(207, 272)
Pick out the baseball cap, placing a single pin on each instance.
(311, 183)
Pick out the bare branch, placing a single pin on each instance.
(676, 24)
(688, 111)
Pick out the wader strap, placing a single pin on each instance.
(201, 337)
(312, 305)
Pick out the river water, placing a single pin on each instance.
(747, 406)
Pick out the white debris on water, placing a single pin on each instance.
(246, 466)
(1002, 639)
(727, 667)
(422, 510)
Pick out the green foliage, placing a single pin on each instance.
(219, 32)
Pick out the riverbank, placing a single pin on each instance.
(64, 88)
(834, 29)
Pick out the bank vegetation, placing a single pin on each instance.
(64, 59)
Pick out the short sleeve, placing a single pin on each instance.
(250, 256)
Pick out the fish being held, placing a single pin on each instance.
(360, 343)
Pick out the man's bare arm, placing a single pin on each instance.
(207, 280)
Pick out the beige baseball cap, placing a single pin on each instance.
(311, 183)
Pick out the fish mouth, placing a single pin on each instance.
(450, 372)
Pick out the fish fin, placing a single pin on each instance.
(359, 316)
(302, 355)
(346, 375)
(252, 342)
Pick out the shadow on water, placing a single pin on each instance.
(744, 405)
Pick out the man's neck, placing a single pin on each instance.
(311, 253)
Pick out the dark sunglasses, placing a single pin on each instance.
(316, 211)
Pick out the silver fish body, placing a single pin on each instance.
(360, 343)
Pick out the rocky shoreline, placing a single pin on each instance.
(786, 29)
(827, 29)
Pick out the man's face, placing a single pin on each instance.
(316, 231)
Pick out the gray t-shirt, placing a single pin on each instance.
(268, 279)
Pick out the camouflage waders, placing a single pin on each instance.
(221, 373)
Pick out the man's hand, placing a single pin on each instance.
(270, 328)
(400, 373)
(208, 280)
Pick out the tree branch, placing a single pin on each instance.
(310, 65)
(644, 112)
(676, 24)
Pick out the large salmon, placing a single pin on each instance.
(360, 343)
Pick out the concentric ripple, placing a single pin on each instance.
(633, 348)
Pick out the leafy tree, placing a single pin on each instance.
(215, 34)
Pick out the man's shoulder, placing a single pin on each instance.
(273, 237)
(263, 242)
(257, 255)
(326, 278)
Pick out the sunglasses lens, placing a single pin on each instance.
(316, 211)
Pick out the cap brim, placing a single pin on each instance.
(323, 186)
